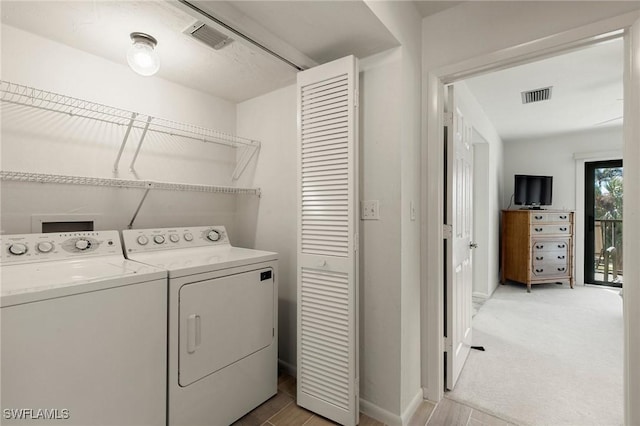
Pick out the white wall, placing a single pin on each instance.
(270, 222)
(43, 142)
(632, 225)
(554, 156)
(403, 21)
(380, 240)
(476, 28)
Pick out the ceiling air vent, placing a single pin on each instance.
(207, 35)
(537, 95)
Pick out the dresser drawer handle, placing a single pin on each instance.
(538, 229)
(539, 246)
(563, 217)
(539, 257)
(560, 257)
(562, 245)
(561, 269)
(537, 217)
(564, 228)
(539, 270)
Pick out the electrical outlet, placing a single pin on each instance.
(370, 210)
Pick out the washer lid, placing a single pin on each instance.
(23, 283)
(182, 262)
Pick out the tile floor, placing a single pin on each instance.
(282, 410)
(452, 413)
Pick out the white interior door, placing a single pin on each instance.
(327, 241)
(459, 216)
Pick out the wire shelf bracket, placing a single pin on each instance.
(135, 215)
(144, 133)
(124, 141)
(22, 95)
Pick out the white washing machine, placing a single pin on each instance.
(83, 332)
(223, 337)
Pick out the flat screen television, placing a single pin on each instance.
(532, 191)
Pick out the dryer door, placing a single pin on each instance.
(224, 320)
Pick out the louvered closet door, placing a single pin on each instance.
(327, 241)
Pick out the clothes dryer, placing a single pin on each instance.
(83, 332)
(222, 321)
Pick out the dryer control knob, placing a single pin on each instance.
(213, 235)
(142, 240)
(174, 238)
(18, 249)
(158, 239)
(188, 236)
(44, 247)
(83, 244)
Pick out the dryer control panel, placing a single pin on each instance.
(23, 248)
(145, 240)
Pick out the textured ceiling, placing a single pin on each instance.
(319, 30)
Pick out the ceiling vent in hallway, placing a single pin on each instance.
(207, 35)
(537, 95)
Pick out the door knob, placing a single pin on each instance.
(473, 245)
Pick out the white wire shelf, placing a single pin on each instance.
(122, 183)
(19, 94)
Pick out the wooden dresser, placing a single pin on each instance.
(537, 246)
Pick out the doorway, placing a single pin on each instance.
(433, 343)
(603, 197)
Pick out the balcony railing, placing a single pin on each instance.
(608, 249)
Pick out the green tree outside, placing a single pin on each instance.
(608, 207)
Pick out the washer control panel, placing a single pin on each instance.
(58, 246)
(142, 240)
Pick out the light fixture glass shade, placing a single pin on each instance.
(142, 57)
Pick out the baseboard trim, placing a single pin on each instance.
(380, 414)
(389, 418)
(412, 407)
(287, 368)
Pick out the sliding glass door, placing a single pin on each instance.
(603, 223)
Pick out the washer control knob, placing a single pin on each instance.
(174, 238)
(44, 247)
(18, 249)
(83, 244)
(213, 235)
(188, 236)
(158, 239)
(142, 240)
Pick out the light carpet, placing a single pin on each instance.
(553, 356)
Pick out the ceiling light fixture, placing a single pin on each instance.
(142, 57)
